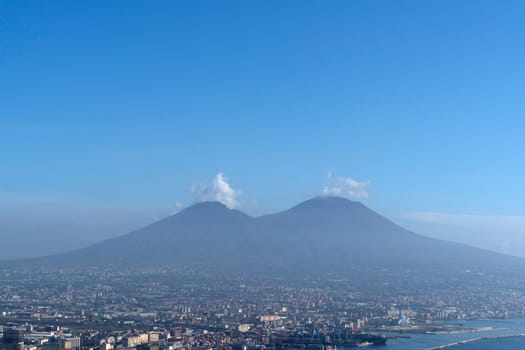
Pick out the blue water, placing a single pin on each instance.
(426, 341)
(494, 344)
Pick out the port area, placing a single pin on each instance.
(438, 329)
(283, 342)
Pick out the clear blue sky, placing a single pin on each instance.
(125, 105)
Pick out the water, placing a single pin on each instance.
(426, 341)
(493, 344)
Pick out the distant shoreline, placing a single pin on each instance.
(450, 345)
(467, 330)
(442, 329)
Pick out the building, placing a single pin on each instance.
(13, 339)
(58, 344)
(134, 341)
(244, 327)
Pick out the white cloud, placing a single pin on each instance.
(176, 208)
(220, 191)
(345, 186)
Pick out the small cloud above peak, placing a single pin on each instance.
(340, 186)
(220, 191)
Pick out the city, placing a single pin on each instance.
(184, 308)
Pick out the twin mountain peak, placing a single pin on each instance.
(320, 234)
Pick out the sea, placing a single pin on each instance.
(502, 339)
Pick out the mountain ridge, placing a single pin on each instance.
(323, 233)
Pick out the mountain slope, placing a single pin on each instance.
(336, 232)
(207, 233)
(321, 234)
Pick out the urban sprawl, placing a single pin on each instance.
(185, 308)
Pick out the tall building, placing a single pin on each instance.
(13, 339)
(75, 342)
(57, 344)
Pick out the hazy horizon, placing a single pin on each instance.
(94, 226)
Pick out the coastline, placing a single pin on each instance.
(450, 345)
(473, 330)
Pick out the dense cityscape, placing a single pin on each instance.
(169, 308)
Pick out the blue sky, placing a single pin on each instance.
(125, 110)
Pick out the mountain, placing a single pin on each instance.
(324, 233)
(335, 232)
(204, 233)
